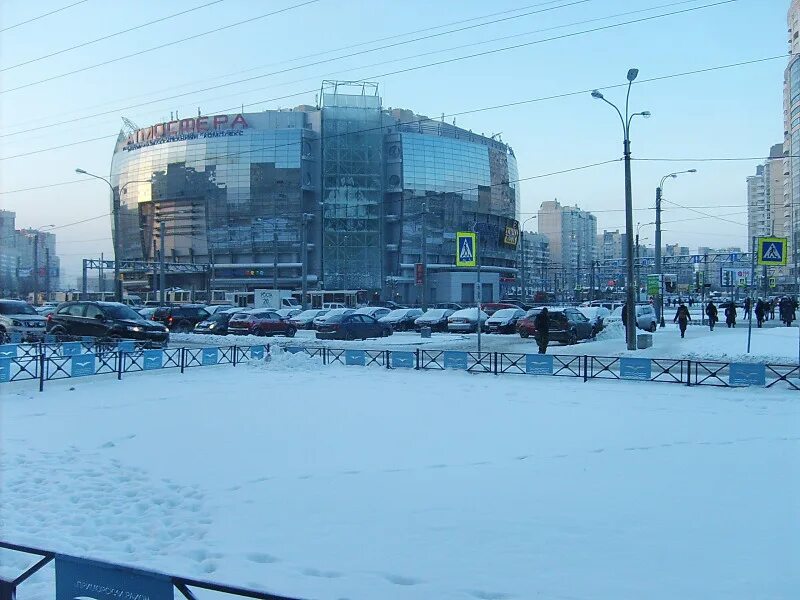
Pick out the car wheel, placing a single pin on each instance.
(290, 332)
(3, 336)
(57, 331)
(573, 338)
(523, 333)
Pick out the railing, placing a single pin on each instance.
(663, 370)
(114, 580)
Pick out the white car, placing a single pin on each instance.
(305, 319)
(332, 305)
(213, 309)
(504, 320)
(645, 317)
(20, 317)
(288, 313)
(597, 315)
(376, 312)
(466, 320)
(331, 313)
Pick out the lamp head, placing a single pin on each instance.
(646, 114)
(632, 74)
(692, 171)
(81, 171)
(597, 95)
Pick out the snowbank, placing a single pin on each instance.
(347, 482)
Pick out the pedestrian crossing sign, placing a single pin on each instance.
(466, 249)
(772, 251)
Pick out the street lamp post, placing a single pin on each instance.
(115, 202)
(523, 270)
(659, 192)
(630, 330)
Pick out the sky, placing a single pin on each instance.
(734, 112)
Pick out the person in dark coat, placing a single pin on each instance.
(760, 310)
(542, 325)
(711, 313)
(747, 307)
(772, 305)
(787, 311)
(730, 315)
(682, 318)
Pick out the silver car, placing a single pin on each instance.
(466, 320)
(20, 317)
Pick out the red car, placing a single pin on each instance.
(261, 322)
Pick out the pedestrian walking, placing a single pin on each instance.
(772, 306)
(760, 310)
(542, 325)
(730, 315)
(682, 318)
(787, 311)
(747, 308)
(711, 313)
(691, 301)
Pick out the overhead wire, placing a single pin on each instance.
(110, 35)
(42, 16)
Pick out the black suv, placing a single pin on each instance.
(182, 318)
(105, 320)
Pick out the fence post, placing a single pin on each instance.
(689, 372)
(585, 368)
(416, 352)
(386, 358)
(8, 591)
(235, 354)
(183, 358)
(324, 356)
(120, 360)
(495, 363)
(41, 371)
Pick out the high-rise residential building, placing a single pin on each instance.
(572, 234)
(8, 253)
(766, 214)
(791, 132)
(535, 260)
(611, 245)
(23, 253)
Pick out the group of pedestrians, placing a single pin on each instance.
(763, 310)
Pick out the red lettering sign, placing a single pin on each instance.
(202, 124)
(239, 120)
(172, 128)
(187, 126)
(220, 120)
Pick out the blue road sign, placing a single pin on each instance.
(403, 360)
(747, 374)
(82, 365)
(538, 364)
(210, 356)
(772, 251)
(455, 360)
(5, 370)
(355, 357)
(79, 578)
(8, 351)
(734, 257)
(466, 245)
(126, 346)
(635, 368)
(71, 348)
(152, 359)
(257, 352)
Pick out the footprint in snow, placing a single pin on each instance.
(319, 573)
(261, 558)
(402, 580)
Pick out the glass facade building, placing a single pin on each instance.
(357, 183)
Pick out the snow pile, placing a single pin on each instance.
(346, 482)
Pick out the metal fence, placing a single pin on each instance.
(664, 370)
(49, 361)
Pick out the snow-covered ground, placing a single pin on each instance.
(772, 344)
(365, 483)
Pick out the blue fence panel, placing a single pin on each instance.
(293, 349)
(538, 364)
(257, 352)
(152, 359)
(83, 365)
(747, 374)
(80, 578)
(455, 360)
(71, 349)
(635, 368)
(8, 351)
(5, 369)
(210, 356)
(402, 360)
(355, 357)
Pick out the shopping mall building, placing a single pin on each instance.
(355, 182)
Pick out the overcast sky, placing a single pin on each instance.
(735, 112)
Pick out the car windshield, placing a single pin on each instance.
(335, 318)
(397, 313)
(309, 314)
(17, 308)
(434, 313)
(120, 311)
(219, 317)
(505, 313)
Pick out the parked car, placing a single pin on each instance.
(332, 305)
(260, 322)
(147, 312)
(331, 313)
(402, 319)
(517, 303)
(448, 305)
(466, 320)
(435, 318)
(492, 307)
(105, 320)
(504, 320)
(305, 320)
(213, 309)
(567, 325)
(181, 318)
(46, 310)
(352, 326)
(596, 315)
(376, 312)
(20, 317)
(393, 305)
(288, 313)
(645, 317)
(217, 323)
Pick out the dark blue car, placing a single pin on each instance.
(352, 327)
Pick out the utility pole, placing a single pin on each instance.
(46, 274)
(274, 257)
(101, 280)
(753, 250)
(36, 268)
(523, 288)
(162, 286)
(84, 283)
(594, 281)
(660, 303)
(304, 271)
(638, 267)
(480, 291)
(425, 258)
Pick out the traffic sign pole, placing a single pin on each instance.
(749, 293)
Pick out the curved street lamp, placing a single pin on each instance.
(630, 330)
